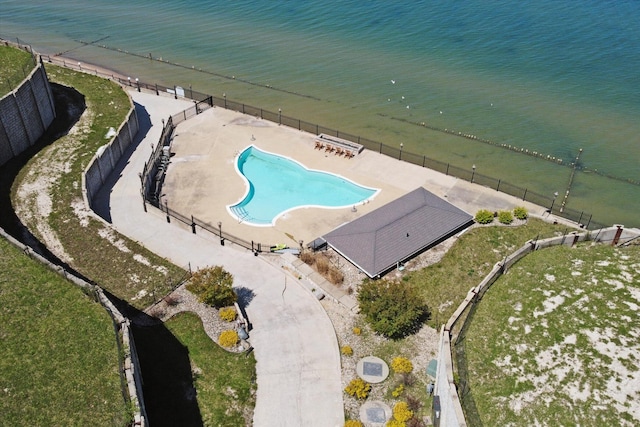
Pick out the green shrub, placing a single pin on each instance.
(505, 217)
(520, 213)
(393, 309)
(401, 365)
(398, 390)
(228, 314)
(358, 388)
(484, 216)
(346, 350)
(401, 412)
(212, 285)
(228, 338)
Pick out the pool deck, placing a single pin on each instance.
(202, 180)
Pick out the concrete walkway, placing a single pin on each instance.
(298, 361)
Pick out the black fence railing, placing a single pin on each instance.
(214, 229)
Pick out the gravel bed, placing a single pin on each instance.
(181, 300)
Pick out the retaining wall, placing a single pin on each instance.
(25, 114)
(106, 158)
(451, 413)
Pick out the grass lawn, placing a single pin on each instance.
(116, 263)
(58, 353)
(184, 356)
(446, 284)
(225, 381)
(15, 66)
(556, 341)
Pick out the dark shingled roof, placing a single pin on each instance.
(377, 241)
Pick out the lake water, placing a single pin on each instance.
(552, 76)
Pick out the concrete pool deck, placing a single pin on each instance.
(201, 178)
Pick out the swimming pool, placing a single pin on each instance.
(277, 185)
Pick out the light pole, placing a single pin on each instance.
(138, 84)
(473, 172)
(401, 147)
(279, 116)
(555, 195)
(129, 80)
(224, 95)
(220, 233)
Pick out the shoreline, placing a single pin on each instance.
(122, 78)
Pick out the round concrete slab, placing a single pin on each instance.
(375, 413)
(372, 369)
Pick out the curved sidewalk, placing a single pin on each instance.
(298, 361)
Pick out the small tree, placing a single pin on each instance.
(394, 309)
(212, 285)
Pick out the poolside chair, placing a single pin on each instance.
(319, 145)
(339, 151)
(329, 148)
(348, 154)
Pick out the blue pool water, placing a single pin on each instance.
(276, 185)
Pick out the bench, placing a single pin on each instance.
(340, 146)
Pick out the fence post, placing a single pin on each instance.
(447, 169)
(498, 187)
(166, 208)
(524, 196)
(193, 225)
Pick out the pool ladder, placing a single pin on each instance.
(241, 214)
